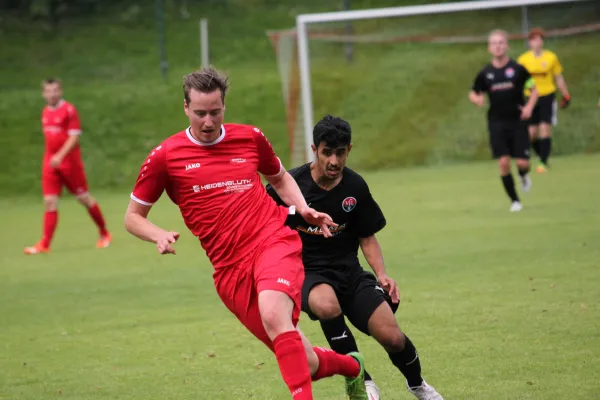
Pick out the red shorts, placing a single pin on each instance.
(275, 265)
(72, 176)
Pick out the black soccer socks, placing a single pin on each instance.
(545, 149)
(340, 337)
(536, 147)
(509, 186)
(523, 171)
(407, 361)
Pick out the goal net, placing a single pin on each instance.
(402, 82)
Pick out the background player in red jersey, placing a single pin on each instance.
(211, 171)
(62, 165)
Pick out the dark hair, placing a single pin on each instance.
(205, 80)
(50, 81)
(334, 131)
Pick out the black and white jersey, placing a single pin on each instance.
(505, 88)
(349, 204)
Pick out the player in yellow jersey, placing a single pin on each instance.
(546, 70)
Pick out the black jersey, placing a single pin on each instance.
(505, 88)
(349, 204)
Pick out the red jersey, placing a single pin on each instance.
(58, 124)
(217, 188)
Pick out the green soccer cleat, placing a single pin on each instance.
(355, 387)
(541, 168)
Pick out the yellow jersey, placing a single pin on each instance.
(543, 69)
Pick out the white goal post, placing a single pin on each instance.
(303, 20)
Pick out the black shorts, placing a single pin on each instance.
(509, 138)
(545, 111)
(357, 291)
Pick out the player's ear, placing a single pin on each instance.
(349, 148)
(186, 108)
(314, 149)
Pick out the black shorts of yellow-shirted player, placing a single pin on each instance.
(505, 81)
(336, 287)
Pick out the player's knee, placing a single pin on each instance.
(504, 165)
(273, 321)
(51, 203)
(327, 308)
(523, 164)
(392, 340)
(533, 131)
(87, 200)
(276, 321)
(545, 130)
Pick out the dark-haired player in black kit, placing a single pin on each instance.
(335, 284)
(504, 80)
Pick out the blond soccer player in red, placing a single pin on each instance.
(211, 171)
(62, 166)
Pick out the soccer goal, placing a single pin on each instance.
(402, 73)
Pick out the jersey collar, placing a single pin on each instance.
(57, 106)
(188, 132)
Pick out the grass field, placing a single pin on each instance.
(500, 305)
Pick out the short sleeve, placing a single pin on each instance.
(479, 85)
(73, 125)
(152, 179)
(268, 163)
(557, 68)
(369, 217)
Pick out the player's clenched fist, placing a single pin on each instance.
(163, 244)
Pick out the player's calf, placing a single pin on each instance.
(293, 364)
(508, 182)
(49, 226)
(523, 166)
(340, 338)
(401, 351)
(324, 304)
(95, 213)
(545, 144)
(276, 310)
(533, 139)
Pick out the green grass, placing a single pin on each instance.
(500, 305)
(406, 102)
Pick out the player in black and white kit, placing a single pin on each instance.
(335, 284)
(504, 81)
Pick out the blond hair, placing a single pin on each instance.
(205, 80)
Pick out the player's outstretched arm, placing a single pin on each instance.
(287, 189)
(374, 256)
(137, 223)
